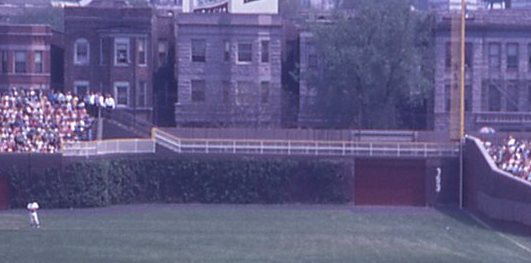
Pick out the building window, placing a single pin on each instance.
(244, 93)
(469, 54)
(81, 52)
(141, 94)
(312, 56)
(264, 92)
(529, 56)
(39, 64)
(468, 98)
(121, 94)
(81, 88)
(226, 92)
(448, 55)
(494, 56)
(226, 51)
(448, 99)
(512, 56)
(3, 60)
(198, 90)
(141, 51)
(312, 61)
(162, 49)
(198, 50)
(529, 98)
(494, 98)
(484, 96)
(264, 51)
(102, 56)
(20, 61)
(512, 99)
(245, 52)
(121, 51)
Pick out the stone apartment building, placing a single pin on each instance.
(228, 69)
(108, 49)
(25, 56)
(498, 70)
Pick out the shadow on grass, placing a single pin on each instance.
(513, 228)
(458, 214)
(467, 217)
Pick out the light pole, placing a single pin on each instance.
(462, 100)
(462, 71)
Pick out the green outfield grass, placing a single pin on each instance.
(232, 233)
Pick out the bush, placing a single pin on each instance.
(96, 183)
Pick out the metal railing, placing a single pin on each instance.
(119, 146)
(135, 124)
(503, 118)
(292, 147)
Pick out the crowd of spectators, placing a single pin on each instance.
(35, 122)
(513, 156)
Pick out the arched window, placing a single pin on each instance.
(81, 52)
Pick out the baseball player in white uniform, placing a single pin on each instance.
(34, 218)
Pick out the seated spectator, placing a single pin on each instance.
(33, 122)
(512, 156)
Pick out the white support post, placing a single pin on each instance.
(398, 149)
(343, 146)
(289, 147)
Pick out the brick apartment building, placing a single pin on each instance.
(498, 70)
(108, 48)
(25, 56)
(163, 50)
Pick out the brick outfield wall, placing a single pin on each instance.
(493, 193)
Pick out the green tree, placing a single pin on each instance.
(374, 65)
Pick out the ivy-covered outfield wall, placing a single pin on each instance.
(94, 183)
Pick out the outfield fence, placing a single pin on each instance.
(118, 146)
(301, 147)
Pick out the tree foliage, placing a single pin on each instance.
(374, 65)
(95, 183)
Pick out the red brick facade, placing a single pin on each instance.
(25, 56)
(107, 50)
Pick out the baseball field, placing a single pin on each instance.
(255, 233)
